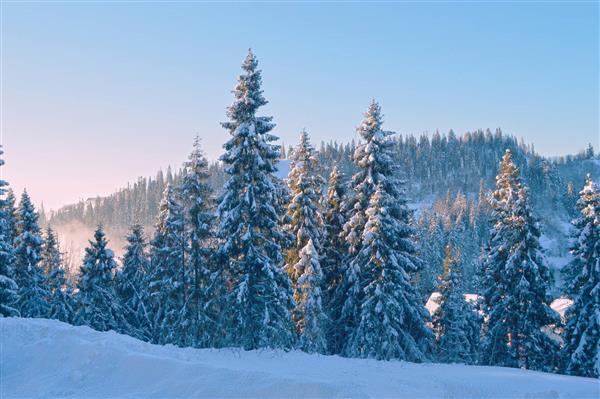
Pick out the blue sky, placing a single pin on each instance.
(95, 94)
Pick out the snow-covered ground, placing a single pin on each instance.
(45, 358)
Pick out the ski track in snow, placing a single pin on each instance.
(48, 359)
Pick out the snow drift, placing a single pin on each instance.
(47, 358)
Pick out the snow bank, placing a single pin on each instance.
(45, 358)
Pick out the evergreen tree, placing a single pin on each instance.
(97, 303)
(381, 315)
(516, 280)
(168, 276)
(582, 330)
(305, 218)
(8, 287)
(283, 197)
(481, 220)
(131, 284)
(259, 297)
(29, 276)
(463, 235)
(455, 319)
(589, 151)
(334, 252)
(374, 164)
(570, 200)
(60, 299)
(312, 323)
(433, 239)
(196, 193)
(10, 211)
(392, 319)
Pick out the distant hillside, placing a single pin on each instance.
(436, 167)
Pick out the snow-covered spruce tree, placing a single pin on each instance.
(98, 305)
(433, 240)
(199, 216)
(371, 158)
(334, 251)
(312, 321)
(582, 330)
(8, 287)
(284, 197)
(374, 163)
(304, 215)
(131, 284)
(463, 235)
(357, 291)
(482, 213)
(392, 319)
(516, 280)
(10, 212)
(259, 298)
(61, 291)
(29, 276)
(168, 276)
(333, 223)
(569, 200)
(305, 218)
(455, 319)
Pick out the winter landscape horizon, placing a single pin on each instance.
(298, 199)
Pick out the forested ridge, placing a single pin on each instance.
(432, 166)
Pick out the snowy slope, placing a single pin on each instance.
(45, 358)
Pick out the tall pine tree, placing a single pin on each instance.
(199, 215)
(61, 291)
(433, 238)
(374, 163)
(334, 252)
(371, 158)
(11, 216)
(131, 284)
(258, 297)
(582, 330)
(8, 287)
(305, 218)
(455, 319)
(516, 280)
(312, 321)
(168, 276)
(391, 322)
(381, 314)
(29, 276)
(98, 305)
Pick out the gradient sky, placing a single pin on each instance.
(95, 94)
